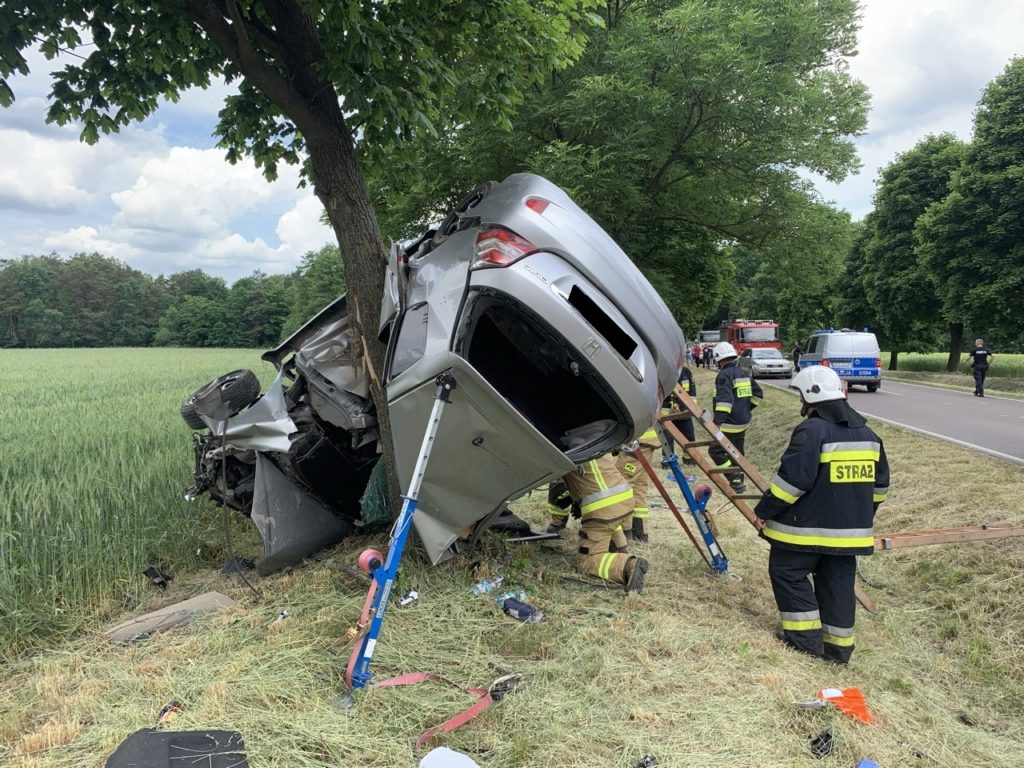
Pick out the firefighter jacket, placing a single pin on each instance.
(688, 385)
(736, 395)
(824, 495)
(600, 489)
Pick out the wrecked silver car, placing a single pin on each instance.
(560, 348)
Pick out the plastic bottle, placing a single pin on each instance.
(522, 611)
(487, 585)
(518, 594)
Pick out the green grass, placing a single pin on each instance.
(94, 461)
(690, 671)
(1003, 366)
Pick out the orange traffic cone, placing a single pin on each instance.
(849, 701)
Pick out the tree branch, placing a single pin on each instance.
(233, 41)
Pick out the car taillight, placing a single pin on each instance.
(825, 362)
(537, 204)
(878, 362)
(499, 247)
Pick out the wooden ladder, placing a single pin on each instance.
(718, 476)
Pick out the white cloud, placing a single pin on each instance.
(301, 229)
(191, 192)
(926, 64)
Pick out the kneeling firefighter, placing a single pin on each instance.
(606, 504)
(817, 515)
(635, 526)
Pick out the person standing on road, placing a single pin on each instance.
(980, 357)
(736, 396)
(707, 355)
(818, 513)
(796, 357)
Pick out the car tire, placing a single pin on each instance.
(238, 389)
(454, 219)
(871, 387)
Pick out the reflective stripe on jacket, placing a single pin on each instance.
(601, 489)
(824, 495)
(736, 395)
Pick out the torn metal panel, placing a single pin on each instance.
(291, 522)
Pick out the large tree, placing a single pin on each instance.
(973, 240)
(682, 130)
(900, 288)
(312, 77)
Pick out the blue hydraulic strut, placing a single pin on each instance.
(719, 562)
(383, 574)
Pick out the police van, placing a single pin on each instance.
(854, 355)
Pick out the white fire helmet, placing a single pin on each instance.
(723, 351)
(817, 384)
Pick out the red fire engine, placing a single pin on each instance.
(751, 334)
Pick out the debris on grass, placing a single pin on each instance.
(142, 627)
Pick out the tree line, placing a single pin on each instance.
(681, 126)
(90, 300)
(938, 261)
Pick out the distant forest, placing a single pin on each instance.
(90, 300)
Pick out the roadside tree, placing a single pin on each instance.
(973, 240)
(311, 79)
(902, 289)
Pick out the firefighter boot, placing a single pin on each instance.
(639, 531)
(636, 570)
(736, 483)
(555, 528)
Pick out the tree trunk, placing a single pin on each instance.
(340, 186)
(956, 341)
(296, 86)
(894, 360)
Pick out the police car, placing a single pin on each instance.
(854, 355)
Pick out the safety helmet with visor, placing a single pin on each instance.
(723, 351)
(818, 384)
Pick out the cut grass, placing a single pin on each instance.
(690, 671)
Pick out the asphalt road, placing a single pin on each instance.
(990, 424)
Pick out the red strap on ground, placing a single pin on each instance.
(483, 701)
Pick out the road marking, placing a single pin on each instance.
(963, 443)
(997, 454)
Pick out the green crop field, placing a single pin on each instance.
(1003, 366)
(95, 459)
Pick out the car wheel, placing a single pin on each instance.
(235, 391)
(451, 223)
(872, 387)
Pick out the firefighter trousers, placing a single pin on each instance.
(816, 600)
(595, 557)
(722, 459)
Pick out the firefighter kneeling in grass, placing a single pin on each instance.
(635, 526)
(605, 500)
(818, 514)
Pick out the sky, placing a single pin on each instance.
(160, 197)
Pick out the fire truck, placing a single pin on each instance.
(751, 334)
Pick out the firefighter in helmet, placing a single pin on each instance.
(736, 396)
(817, 515)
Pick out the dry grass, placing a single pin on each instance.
(689, 672)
